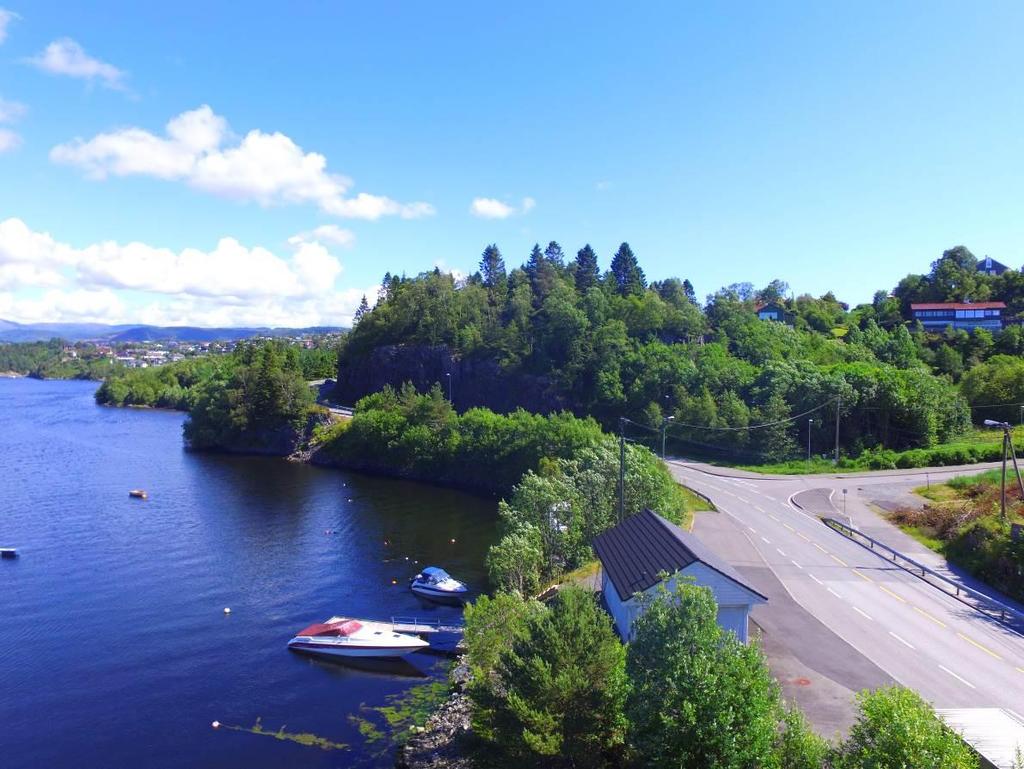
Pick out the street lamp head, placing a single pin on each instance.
(994, 423)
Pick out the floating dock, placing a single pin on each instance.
(8, 552)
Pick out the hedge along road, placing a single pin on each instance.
(926, 640)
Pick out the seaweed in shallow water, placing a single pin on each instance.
(302, 738)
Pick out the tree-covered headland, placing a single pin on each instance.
(612, 344)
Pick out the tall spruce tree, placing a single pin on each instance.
(690, 293)
(629, 278)
(554, 254)
(492, 269)
(361, 310)
(587, 272)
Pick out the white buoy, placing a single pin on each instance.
(227, 610)
(215, 724)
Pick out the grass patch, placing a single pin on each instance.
(962, 522)
(978, 445)
(692, 503)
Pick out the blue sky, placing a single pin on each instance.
(833, 147)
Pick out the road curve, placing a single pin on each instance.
(922, 638)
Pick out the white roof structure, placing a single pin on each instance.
(995, 734)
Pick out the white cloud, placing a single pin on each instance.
(11, 111)
(603, 185)
(229, 270)
(266, 168)
(492, 208)
(9, 140)
(326, 233)
(80, 305)
(66, 57)
(6, 17)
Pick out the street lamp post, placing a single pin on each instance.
(809, 423)
(449, 375)
(664, 432)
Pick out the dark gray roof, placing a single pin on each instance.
(644, 545)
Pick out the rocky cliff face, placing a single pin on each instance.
(474, 381)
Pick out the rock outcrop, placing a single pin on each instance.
(473, 381)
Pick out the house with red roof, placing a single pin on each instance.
(936, 316)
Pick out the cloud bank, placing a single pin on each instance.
(198, 149)
(42, 278)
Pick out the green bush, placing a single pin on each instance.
(897, 728)
(554, 697)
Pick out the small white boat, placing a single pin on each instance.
(438, 585)
(345, 637)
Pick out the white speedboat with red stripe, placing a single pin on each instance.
(345, 637)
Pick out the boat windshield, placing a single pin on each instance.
(433, 575)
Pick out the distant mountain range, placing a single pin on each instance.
(77, 332)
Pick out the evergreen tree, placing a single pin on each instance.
(587, 272)
(542, 274)
(629, 278)
(690, 293)
(553, 253)
(364, 307)
(492, 267)
(384, 292)
(558, 694)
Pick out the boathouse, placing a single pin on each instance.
(635, 556)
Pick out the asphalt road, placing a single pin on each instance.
(921, 638)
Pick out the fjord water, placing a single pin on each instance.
(114, 647)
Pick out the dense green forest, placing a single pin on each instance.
(48, 360)
(172, 386)
(177, 385)
(614, 345)
(254, 400)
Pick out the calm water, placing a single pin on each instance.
(114, 648)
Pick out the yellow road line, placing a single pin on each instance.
(837, 559)
(789, 527)
(923, 613)
(1020, 670)
(864, 577)
(983, 648)
(897, 596)
(820, 547)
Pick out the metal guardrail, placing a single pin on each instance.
(969, 596)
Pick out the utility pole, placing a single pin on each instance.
(622, 469)
(664, 433)
(1007, 449)
(449, 375)
(839, 407)
(809, 423)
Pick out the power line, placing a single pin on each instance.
(756, 427)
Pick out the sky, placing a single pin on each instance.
(257, 164)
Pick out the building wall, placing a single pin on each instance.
(734, 602)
